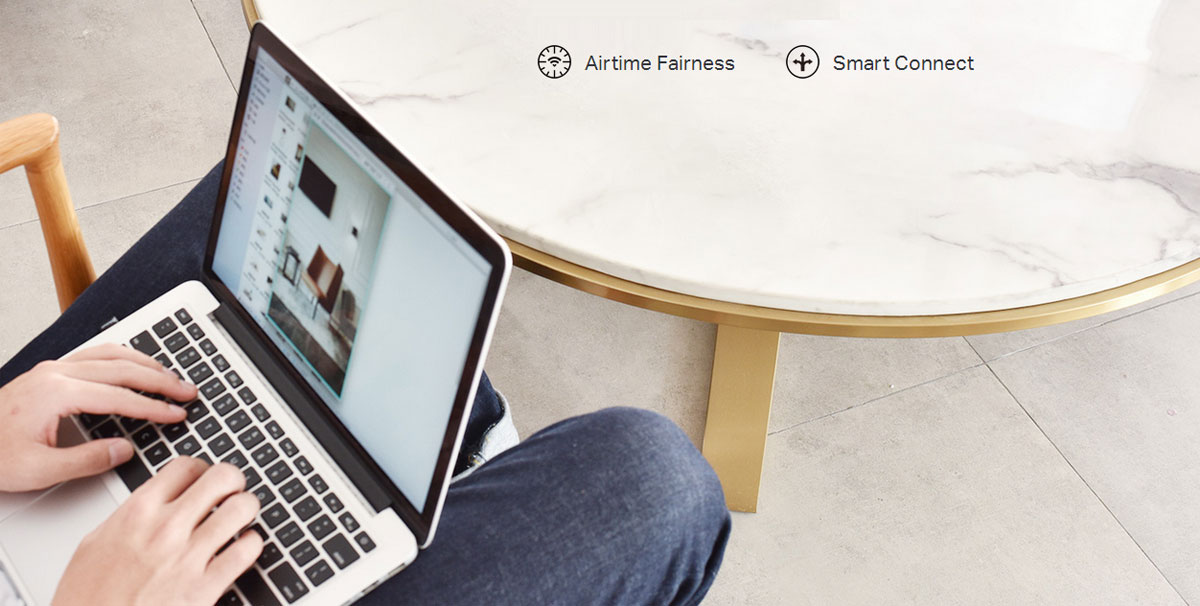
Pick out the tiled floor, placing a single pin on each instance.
(1051, 466)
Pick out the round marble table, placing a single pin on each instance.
(1054, 173)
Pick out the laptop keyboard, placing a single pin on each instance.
(308, 537)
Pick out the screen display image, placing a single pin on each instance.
(370, 295)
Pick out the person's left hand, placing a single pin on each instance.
(96, 380)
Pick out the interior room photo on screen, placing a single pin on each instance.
(324, 270)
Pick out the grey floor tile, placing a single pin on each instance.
(1122, 402)
(108, 229)
(942, 494)
(816, 376)
(137, 87)
(996, 345)
(227, 29)
(559, 352)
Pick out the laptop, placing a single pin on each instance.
(337, 339)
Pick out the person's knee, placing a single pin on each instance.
(654, 462)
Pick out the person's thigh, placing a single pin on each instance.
(615, 507)
(172, 252)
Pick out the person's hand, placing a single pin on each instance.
(161, 546)
(95, 380)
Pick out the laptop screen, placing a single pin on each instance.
(370, 295)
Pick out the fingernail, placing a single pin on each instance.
(119, 452)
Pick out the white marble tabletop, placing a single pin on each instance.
(1066, 162)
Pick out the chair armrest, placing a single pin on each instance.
(32, 141)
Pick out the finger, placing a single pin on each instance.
(231, 516)
(91, 458)
(172, 480)
(112, 351)
(224, 569)
(82, 396)
(125, 373)
(218, 482)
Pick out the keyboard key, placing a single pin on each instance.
(174, 431)
(178, 375)
(246, 395)
(130, 424)
(204, 457)
(293, 490)
(333, 503)
(256, 589)
(264, 455)
(208, 427)
(321, 527)
(318, 573)
(212, 388)
(207, 347)
(259, 529)
(220, 444)
(133, 473)
(288, 582)
(225, 404)
(237, 458)
(251, 437)
(289, 534)
(252, 477)
(276, 514)
(189, 446)
(239, 421)
(266, 497)
(307, 508)
(145, 436)
(303, 465)
(164, 359)
(107, 429)
(260, 412)
(304, 553)
(234, 379)
(230, 599)
(157, 454)
(187, 357)
(164, 327)
(289, 449)
(364, 542)
(145, 343)
(270, 554)
(176, 342)
(348, 522)
(183, 316)
(89, 420)
(200, 372)
(196, 332)
(196, 411)
(279, 472)
(318, 484)
(340, 551)
(275, 430)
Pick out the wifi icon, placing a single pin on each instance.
(554, 61)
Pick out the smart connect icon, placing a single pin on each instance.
(554, 61)
(803, 61)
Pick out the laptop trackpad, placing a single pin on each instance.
(40, 540)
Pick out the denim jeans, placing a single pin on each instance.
(613, 507)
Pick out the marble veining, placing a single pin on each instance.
(1067, 163)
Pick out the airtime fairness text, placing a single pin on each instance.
(618, 63)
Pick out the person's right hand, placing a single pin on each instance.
(160, 547)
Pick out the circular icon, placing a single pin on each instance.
(803, 61)
(554, 61)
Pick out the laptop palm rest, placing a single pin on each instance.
(38, 541)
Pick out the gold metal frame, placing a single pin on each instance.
(846, 325)
(250, 12)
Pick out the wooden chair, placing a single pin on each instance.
(32, 141)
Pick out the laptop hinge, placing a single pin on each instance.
(310, 412)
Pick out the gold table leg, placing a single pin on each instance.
(739, 404)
